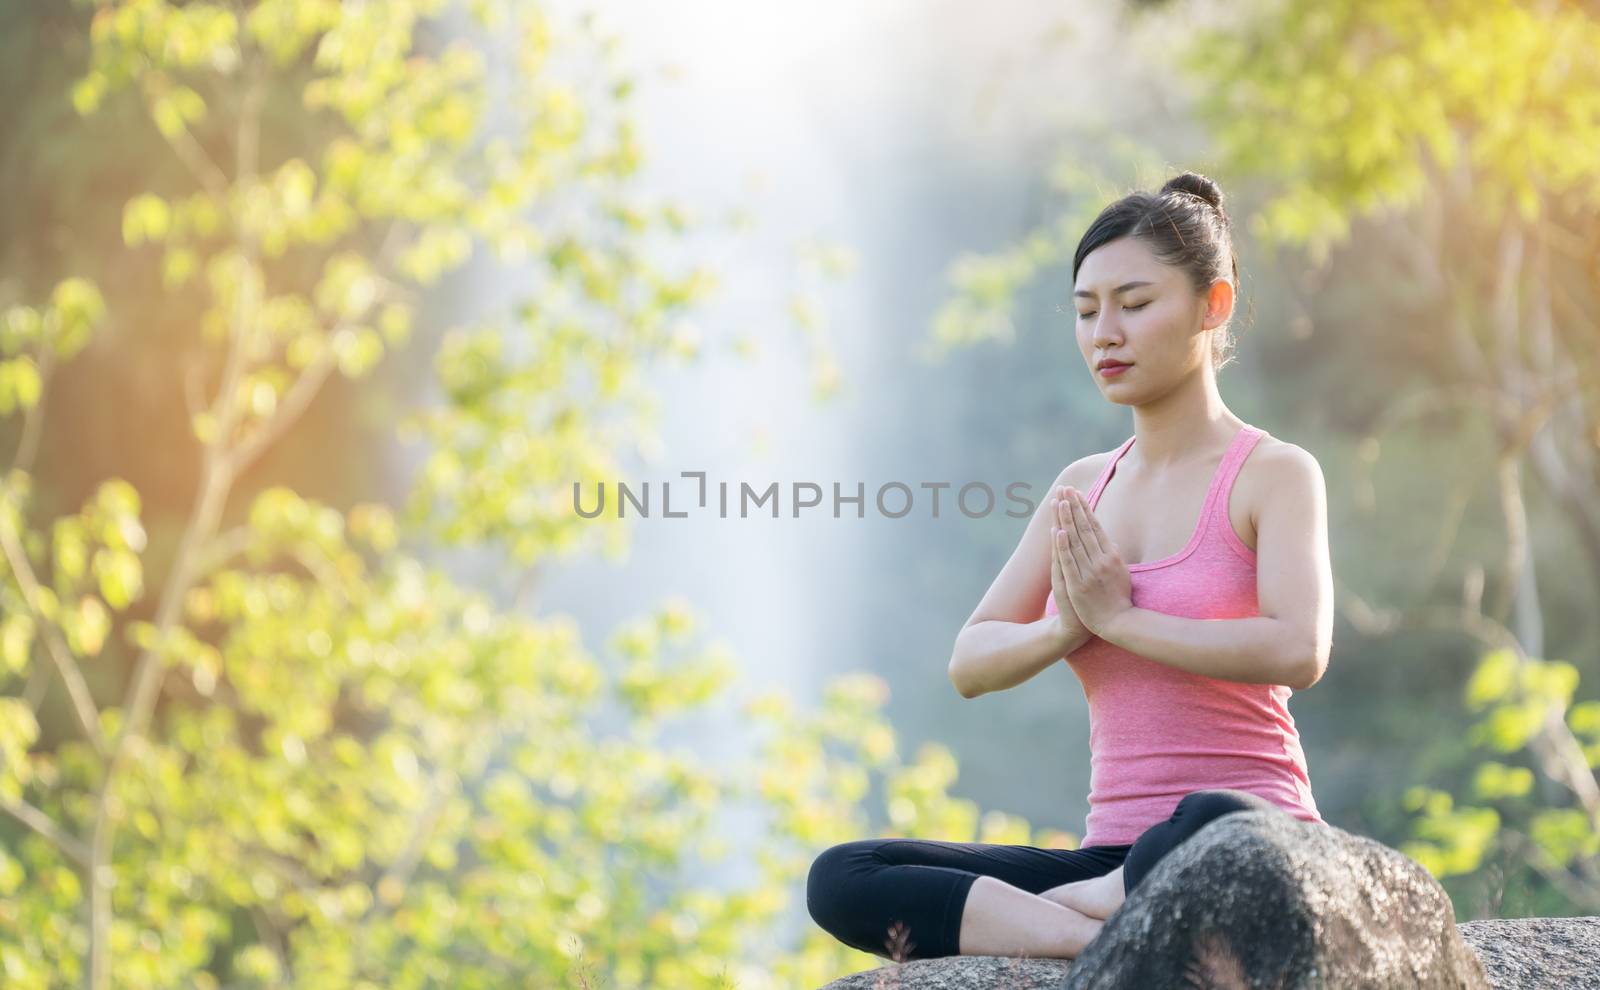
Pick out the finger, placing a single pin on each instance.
(1059, 568)
(1057, 553)
(1087, 533)
(1074, 565)
(1104, 538)
(1067, 522)
(1074, 561)
(1078, 552)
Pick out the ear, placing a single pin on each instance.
(1219, 304)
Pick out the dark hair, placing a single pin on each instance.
(1185, 225)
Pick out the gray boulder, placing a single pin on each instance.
(1262, 899)
(1537, 952)
(960, 973)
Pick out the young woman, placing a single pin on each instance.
(1190, 604)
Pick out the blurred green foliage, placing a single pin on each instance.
(303, 755)
(1516, 698)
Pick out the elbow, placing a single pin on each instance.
(962, 683)
(960, 676)
(1302, 658)
(1305, 670)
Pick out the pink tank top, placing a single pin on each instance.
(1156, 732)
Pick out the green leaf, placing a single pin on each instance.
(16, 641)
(20, 385)
(120, 576)
(1496, 780)
(1565, 834)
(19, 730)
(87, 93)
(20, 329)
(1509, 726)
(80, 308)
(145, 217)
(358, 349)
(1552, 680)
(178, 265)
(71, 549)
(11, 875)
(1493, 678)
(86, 627)
(1584, 717)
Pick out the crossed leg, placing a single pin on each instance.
(954, 898)
(1002, 920)
(1097, 897)
(986, 899)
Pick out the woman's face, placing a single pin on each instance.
(1156, 322)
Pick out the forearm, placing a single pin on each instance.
(994, 655)
(1253, 649)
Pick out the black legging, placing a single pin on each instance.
(858, 889)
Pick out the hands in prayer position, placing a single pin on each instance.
(1088, 577)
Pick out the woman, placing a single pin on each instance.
(1187, 657)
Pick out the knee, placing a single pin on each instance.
(828, 880)
(1198, 807)
(1195, 810)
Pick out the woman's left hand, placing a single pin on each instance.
(1098, 581)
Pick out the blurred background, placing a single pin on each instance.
(312, 315)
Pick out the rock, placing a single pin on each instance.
(1263, 899)
(960, 973)
(1537, 952)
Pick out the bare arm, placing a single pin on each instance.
(1009, 638)
(1289, 642)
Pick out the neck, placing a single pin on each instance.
(1189, 421)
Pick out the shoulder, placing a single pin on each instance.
(1278, 469)
(1085, 471)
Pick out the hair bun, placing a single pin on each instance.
(1198, 185)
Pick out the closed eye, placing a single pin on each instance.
(1085, 316)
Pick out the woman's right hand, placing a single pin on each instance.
(1072, 627)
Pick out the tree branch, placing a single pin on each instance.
(44, 825)
(288, 411)
(1583, 896)
(83, 705)
(38, 683)
(1570, 765)
(216, 480)
(441, 787)
(33, 419)
(222, 549)
(205, 171)
(305, 387)
(1372, 620)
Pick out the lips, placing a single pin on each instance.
(1112, 369)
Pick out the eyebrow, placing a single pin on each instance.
(1124, 287)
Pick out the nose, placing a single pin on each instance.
(1107, 334)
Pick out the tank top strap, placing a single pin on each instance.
(1093, 497)
(1228, 470)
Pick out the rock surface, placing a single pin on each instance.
(1262, 899)
(960, 973)
(1537, 952)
